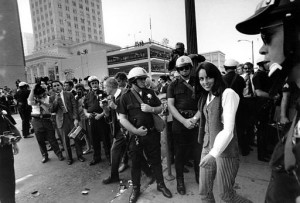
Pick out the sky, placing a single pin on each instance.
(127, 21)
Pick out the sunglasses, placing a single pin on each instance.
(56, 85)
(183, 68)
(268, 32)
(142, 78)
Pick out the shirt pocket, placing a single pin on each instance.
(179, 91)
(133, 106)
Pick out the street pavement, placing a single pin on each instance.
(55, 181)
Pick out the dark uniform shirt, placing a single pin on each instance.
(132, 108)
(91, 101)
(21, 96)
(237, 85)
(183, 95)
(261, 81)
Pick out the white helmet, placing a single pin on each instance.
(183, 61)
(137, 72)
(92, 78)
(231, 63)
(21, 84)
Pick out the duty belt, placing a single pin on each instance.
(187, 113)
(40, 116)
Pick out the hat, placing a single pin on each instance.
(183, 61)
(21, 84)
(266, 11)
(231, 63)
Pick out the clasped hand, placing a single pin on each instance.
(146, 108)
(190, 123)
(141, 131)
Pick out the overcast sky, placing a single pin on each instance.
(128, 20)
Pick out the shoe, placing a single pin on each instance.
(189, 164)
(87, 151)
(49, 148)
(180, 186)
(93, 162)
(69, 162)
(110, 180)
(82, 159)
(123, 167)
(150, 179)
(61, 158)
(45, 159)
(28, 136)
(264, 159)
(185, 170)
(134, 194)
(161, 187)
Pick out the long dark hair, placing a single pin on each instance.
(213, 72)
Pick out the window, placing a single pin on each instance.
(89, 29)
(62, 29)
(87, 9)
(68, 16)
(95, 31)
(70, 31)
(62, 37)
(75, 18)
(92, 4)
(82, 28)
(59, 5)
(45, 7)
(98, 7)
(48, 31)
(87, 1)
(61, 21)
(77, 40)
(94, 18)
(32, 5)
(52, 29)
(94, 24)
(90, 36)
(49, 4)
(41, 9)
(60, 14)
(51, 21)
(67, 8)
(77, 33)
(53, 37)
(67, 1)
(50, 12)
(89, 23)
(42, 17)
(95, 37)
(33, 13)
(74, 3)
(82, 20)
(76, 26)
(47, 23)
(80, 6)
(69, 24)
(74, 11)
(93, 11)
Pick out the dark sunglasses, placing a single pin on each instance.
(183, 68)
(268, 32)
(142, 78)
(56, 85)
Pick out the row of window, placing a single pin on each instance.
(37, 3)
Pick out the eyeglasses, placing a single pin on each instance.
(142, 79)
(183, 68)
(267, 32)
(56, 85)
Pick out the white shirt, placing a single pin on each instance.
(230, 102)
(117, 93)
(63, 99)
(36, 108)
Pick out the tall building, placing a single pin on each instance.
(28, 43)
(59, 23)
(217, 58)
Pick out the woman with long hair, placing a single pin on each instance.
(220, 156)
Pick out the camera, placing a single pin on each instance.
(8, 138)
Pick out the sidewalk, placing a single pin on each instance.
(251, 182)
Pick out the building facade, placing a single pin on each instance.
(217, 58)
(28, 43)
(66, 22)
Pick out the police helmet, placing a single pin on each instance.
(91, 79)
(22, 84)
(135, 73)
(268, 10)
(183, 61)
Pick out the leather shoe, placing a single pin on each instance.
(134, 194)
(150, 179)
(180, 186)
(81, 159)
(189, 164)
(28, 136)
(264, 159)
(185, 170)
(163, 189)
(61, 158)
(123, 167)
(93, 162)
(69, 162)
(110, 180)
(45, 159)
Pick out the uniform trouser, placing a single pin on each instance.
(44, 130)
(117, 150)
(225, 170)
(7, 175)
(64, 131)
(243, 139)
(25, 116)
(150, 145)
(185, 140)
(97, 134)
(283, 187)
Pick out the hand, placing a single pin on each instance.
(88, 115)
(112, 105)
(15, 148)
(75, 122)
(207, 161)
(98, 116)
(141, 131)
(146, 108)
(284, 120)
(188, 123)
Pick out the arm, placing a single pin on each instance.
(186, 122)
(74, 109)
(230, 102)
(283, 107)
(261, 93)
(31, 96)
(142, 131)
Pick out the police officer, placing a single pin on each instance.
(183, 95)
(137, 119)
(95, 114)
(7, 150)
(278, 23)
(24, 109)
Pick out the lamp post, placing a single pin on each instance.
(252, 50)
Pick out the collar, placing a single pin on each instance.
(117, 93)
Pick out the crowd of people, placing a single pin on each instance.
(213, 117)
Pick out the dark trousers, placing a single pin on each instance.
(7, 175)
(170, 140)
(97, 134)
(150, 145)
(64, 131)
(117, 150)
(185, 140)
(25, 116)
(44, 130)
(241, 124)
(283, 187)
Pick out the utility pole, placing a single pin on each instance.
(191, 29)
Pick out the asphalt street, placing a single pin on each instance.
(55, 181)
